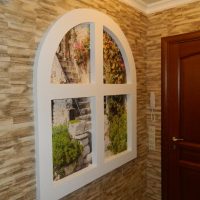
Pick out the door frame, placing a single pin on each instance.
(165, 140)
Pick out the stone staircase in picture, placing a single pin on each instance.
(81, 130)
(85, 112)
(70, 72)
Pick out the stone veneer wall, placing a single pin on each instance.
(166, 23)
(22, 25)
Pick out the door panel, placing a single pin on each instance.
(189, 48)
(189, 152)
(190, 98)
(188, 178)
(181, 117)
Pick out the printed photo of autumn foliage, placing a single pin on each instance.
(113, 64)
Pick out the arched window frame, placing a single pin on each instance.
(45, 91)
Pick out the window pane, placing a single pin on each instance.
(115, 124)
(71, 62)
(113, 66)
(71, 136)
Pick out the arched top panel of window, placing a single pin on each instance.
(114, 69)
(71, 63)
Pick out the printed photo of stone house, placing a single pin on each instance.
(71, 136)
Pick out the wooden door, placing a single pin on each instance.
(181, 117)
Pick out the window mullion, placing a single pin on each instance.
(98, 63)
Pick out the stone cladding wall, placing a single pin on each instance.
(174, 21)
(23, 23)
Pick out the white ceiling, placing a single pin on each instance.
(152, 6)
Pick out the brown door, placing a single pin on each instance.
(181, 117)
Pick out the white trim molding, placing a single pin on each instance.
(157, 6)
(166, 4)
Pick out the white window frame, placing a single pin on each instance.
(45, 91)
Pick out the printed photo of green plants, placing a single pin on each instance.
(71, 136)
(71, 62)
(114, 70)
(115, 124)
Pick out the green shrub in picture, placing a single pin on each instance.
(65, 149)
(116, 105)
(74, 121)
(118, 133)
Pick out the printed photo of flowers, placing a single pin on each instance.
(71, 62)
